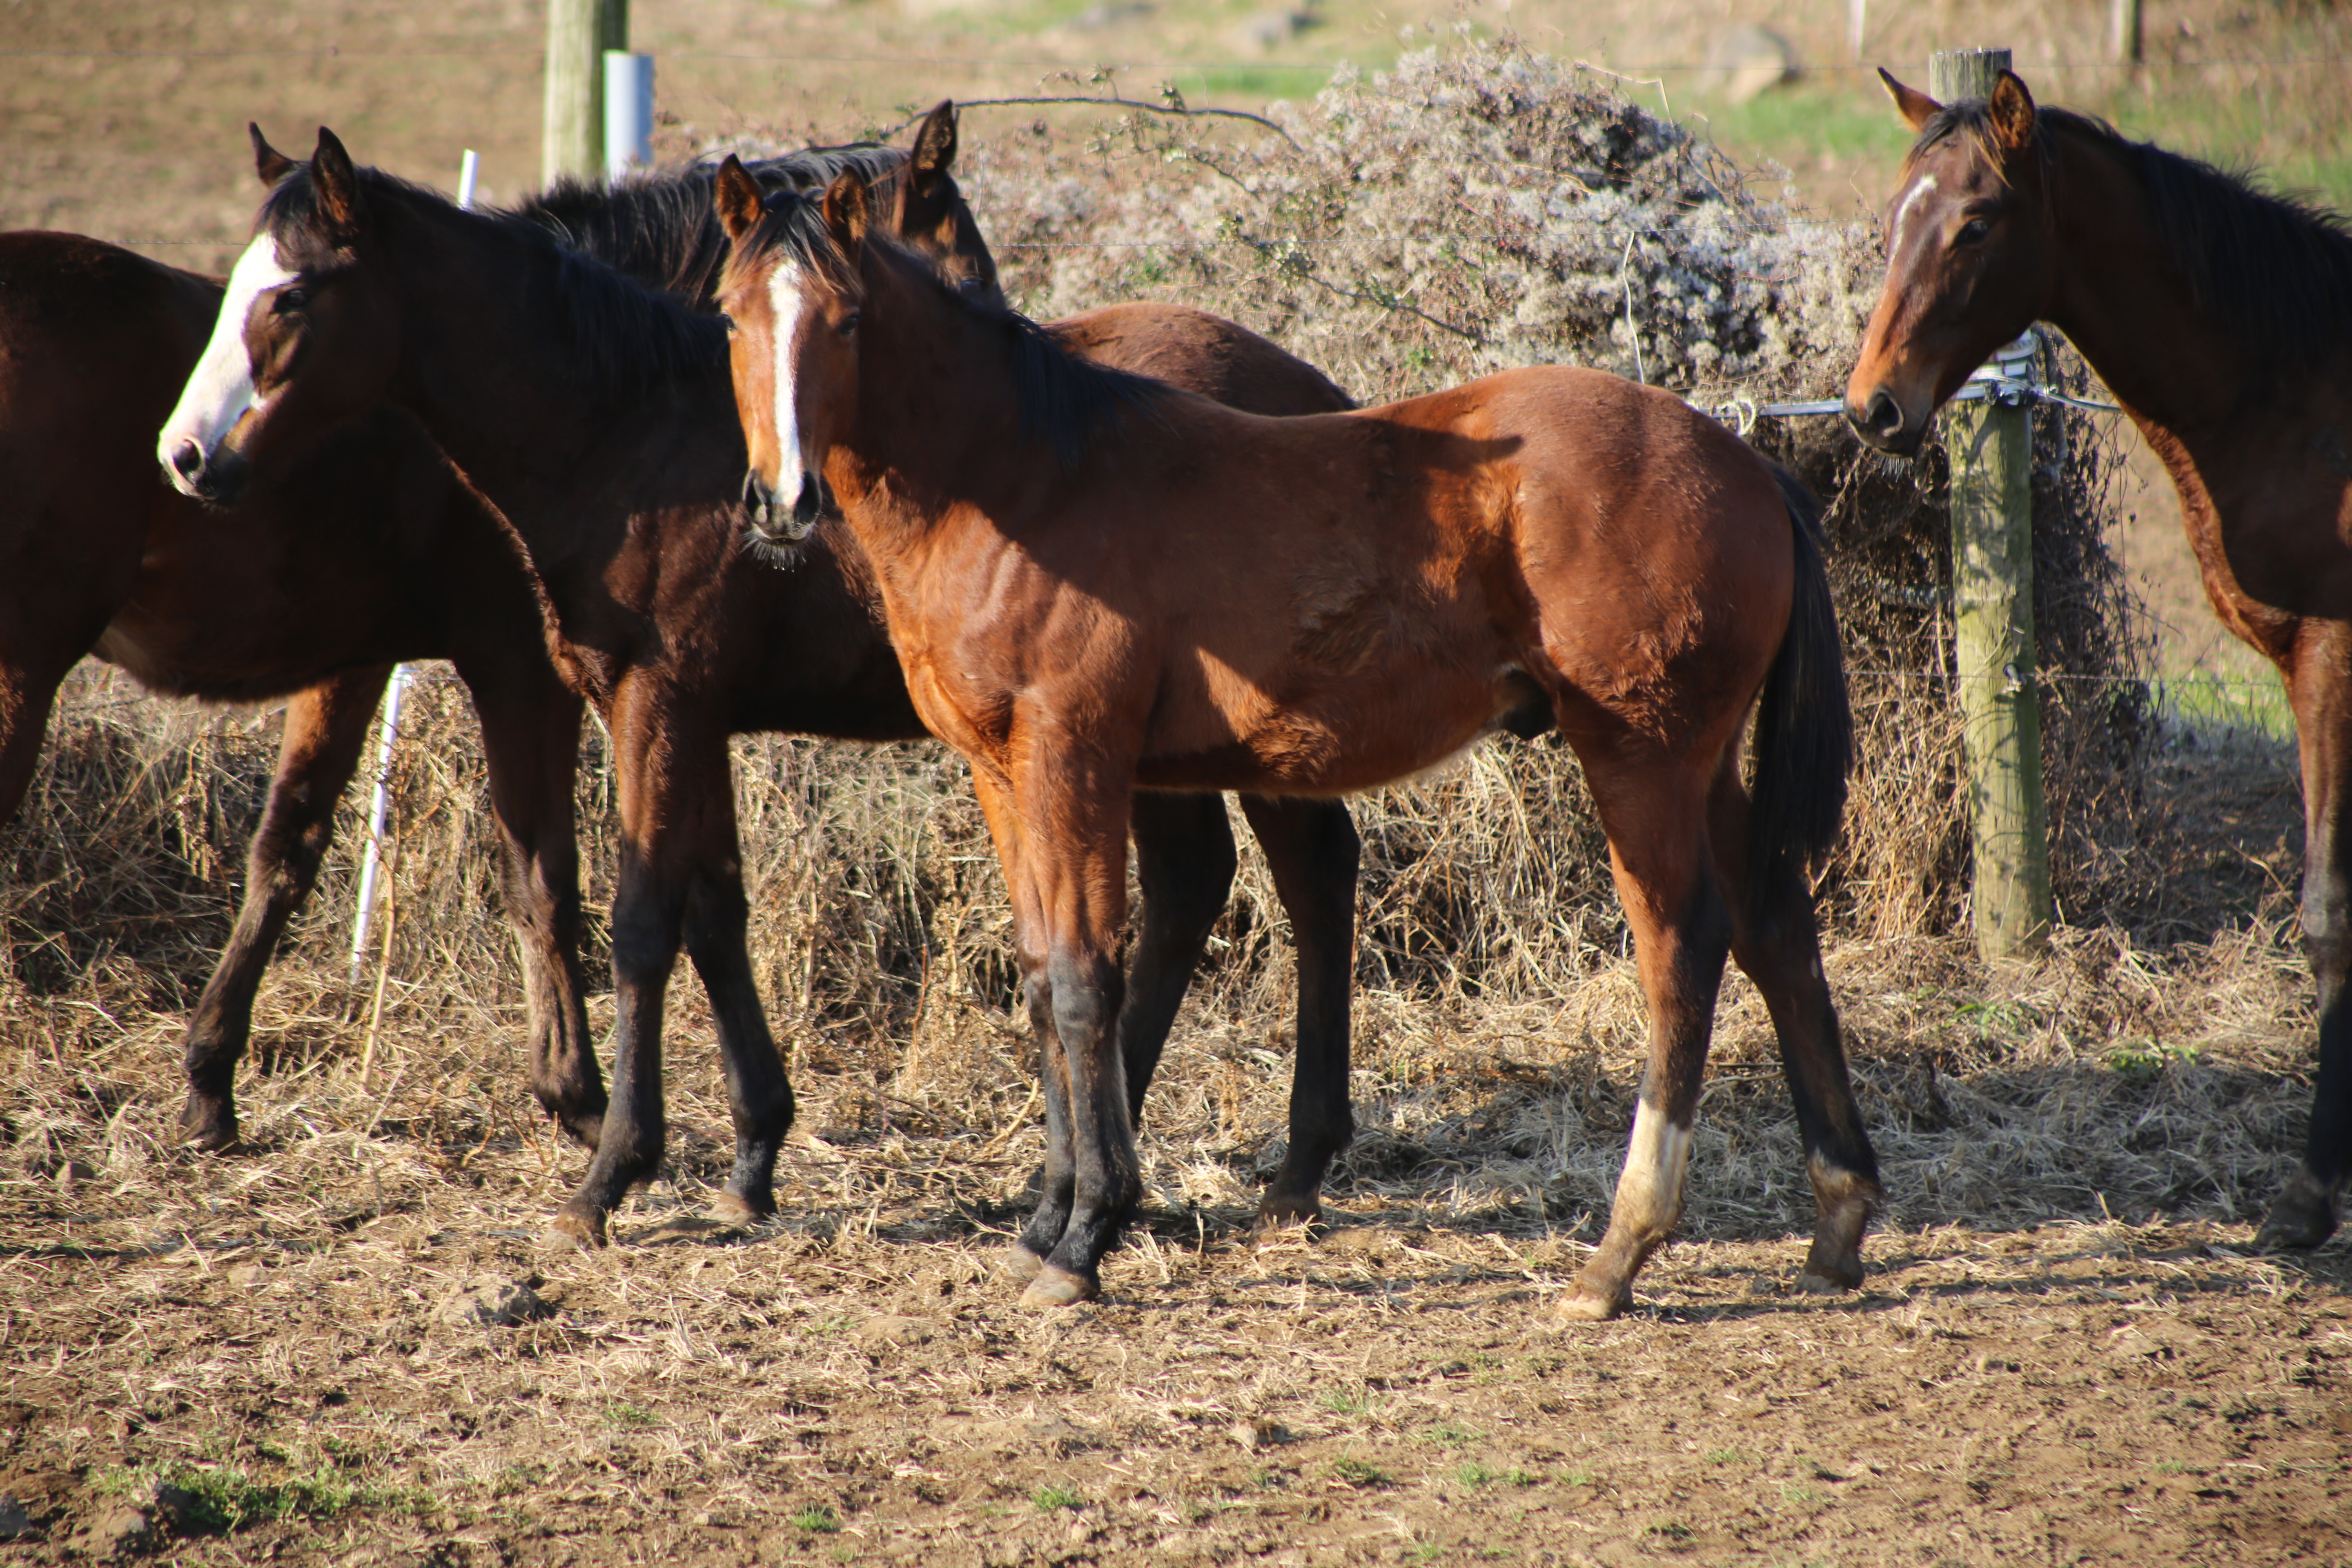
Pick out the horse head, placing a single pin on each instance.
(305, 336)
(1971, 258)
(926, 210)
(792, 297)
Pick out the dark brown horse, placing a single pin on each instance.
(1100, 586)
(599, 417)
(2222, 318)
(370, 550)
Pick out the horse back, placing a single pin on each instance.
(94, 343)
(1202, 353)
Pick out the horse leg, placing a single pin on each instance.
(1311, 848)
(28, 688)
(659, 798)
(1185, 863)
(759, 1092)
(326, 729)
(531, 742)
(1077, 878)
(1654, 817)
(2319, 684)
(1775, 939)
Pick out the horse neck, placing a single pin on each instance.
(494, 368)
(2180, 372)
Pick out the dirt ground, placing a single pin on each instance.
(2064, 1352)
(853, 1384)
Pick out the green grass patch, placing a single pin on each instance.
(2142, 1060)
(631, 1417)
(816, 1519)
(1053, 1499)
(2205, 702)
(230, 1497)
(1360, 1473)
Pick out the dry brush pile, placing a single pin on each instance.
(1478, 207)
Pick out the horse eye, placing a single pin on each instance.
(849, 323)
(1975, 230)
(290, 299)
(973, 283)
(726, 321)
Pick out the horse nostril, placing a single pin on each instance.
(810, 504)
(1884, 416)
(188, 461)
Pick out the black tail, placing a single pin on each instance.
(1804, 724)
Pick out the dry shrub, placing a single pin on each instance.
(1478, 207)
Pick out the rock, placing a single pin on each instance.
(488, 1302)
(15, 1523)
(170, 1508)
(1747, 60)
(120, 1532)
(72, 1175)
(1264, 1432)
(1271, 30)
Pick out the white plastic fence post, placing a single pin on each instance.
(380, 805)
(628, 111)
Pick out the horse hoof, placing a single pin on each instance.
(2302, 1217)
(570, 1232)
(1288, 1212)
(1055, 1286)
(1832, 1275)
(1019, 1265)
(1583, 1306)
(208, 1129)
(733, 1208)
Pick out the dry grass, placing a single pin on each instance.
(271, 1333)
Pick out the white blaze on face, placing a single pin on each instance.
(785, 285)
(1650, 1188)
(220, 389)
(1920, 191)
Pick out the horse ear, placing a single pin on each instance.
(1915, 107)
(2011, 109)
(736, 197)
(935, 145)
(337, 185)
(267, 161)
(847, 210)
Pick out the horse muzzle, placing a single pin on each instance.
(216, 478)
(788, 525)
(1882, 422)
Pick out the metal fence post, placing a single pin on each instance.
(1990, 448)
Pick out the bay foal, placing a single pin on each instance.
(600, 420)
(2220, 317)
(1100, 586)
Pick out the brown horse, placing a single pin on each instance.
(1100, 586)
(599, 419)
(368, 550)
(2222, 318)
(366, 553)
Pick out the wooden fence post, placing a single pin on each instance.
(578, 34)
(2128, 37)
(1990, 448)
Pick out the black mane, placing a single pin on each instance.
(632, 337)
(1061, 398)
(659, 227)
(2275, 268)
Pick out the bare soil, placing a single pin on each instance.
(2065, 1352)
